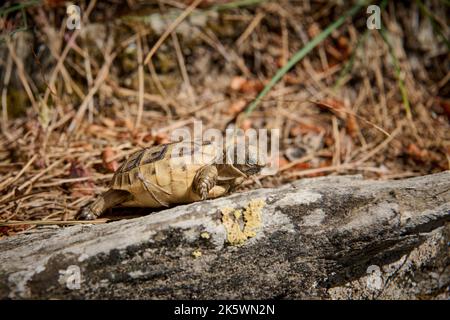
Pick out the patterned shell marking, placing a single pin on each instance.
(158, 163)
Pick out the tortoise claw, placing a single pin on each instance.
(87, 214)
(203, 191)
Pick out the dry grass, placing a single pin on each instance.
(75, 104)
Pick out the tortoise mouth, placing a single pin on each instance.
(249, 171)
(252, 171)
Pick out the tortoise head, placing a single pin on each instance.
(250, 163)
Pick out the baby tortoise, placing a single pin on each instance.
(175, 173)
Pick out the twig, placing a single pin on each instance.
(21, 172)
(247, 32)
(141, 82)
(169, 30)
(64, 53)
(337, 142)
(22, 75)
(6, 79)
(380, 147)
(47, 223)
(101, 77)
(90, 81)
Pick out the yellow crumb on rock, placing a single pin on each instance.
(237, 214)
(197, 253)
(205, 235)
(252, 217)
(236, 235)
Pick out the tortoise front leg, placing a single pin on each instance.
(225, 187)
(217, 191)
(205, 180)
(105, 201)
(236, 183)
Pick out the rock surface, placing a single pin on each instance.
(332, 237)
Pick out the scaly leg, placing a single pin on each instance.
(107, 200)
(236, 183)
(223, 188)
(205, 180)
(217, 191)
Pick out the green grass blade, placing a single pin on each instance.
(301, 54)
(236, 4)
(20, 6)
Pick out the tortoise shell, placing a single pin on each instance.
(163, 174)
